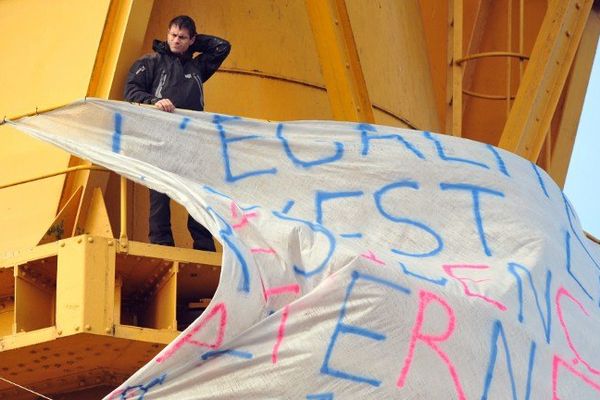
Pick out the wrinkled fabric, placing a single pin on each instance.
(359, 261)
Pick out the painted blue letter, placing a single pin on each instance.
(229, 177)
(226, 234)
(475, 190)
(547, 321)
(497, 332)
(342, 328)
(314, 228)
(339, 152)
(378, 202)
(442, 154)
(366, 138)
(321, 197)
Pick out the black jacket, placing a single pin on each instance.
(179, 78)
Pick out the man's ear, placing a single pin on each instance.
(193, 40)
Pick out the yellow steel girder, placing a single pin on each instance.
(545, 76)
(346, 87)
(574, 98)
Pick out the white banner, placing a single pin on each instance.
(360, 261)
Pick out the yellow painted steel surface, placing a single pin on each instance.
(70, 314)
(85, 308)
(340, 65)
(49, 50)
(544, 80)
(564, 139)
(393, 55)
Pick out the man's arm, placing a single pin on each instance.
(139, 83)
(213, 51)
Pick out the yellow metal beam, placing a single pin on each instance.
(544, 78)
(51, 174)
(449, 64)
(89, 180)
(164, 336)
(34, 301)
(340, 64)
(161, 310)
(455, 68)
(85, 286)
(508, 60)
(126, 23)
(574, 98)
(22, 256)
(173, 254)
(123, 200)
(97, 222)
(482, 13)
(25, 339)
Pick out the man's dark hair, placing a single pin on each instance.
(184, 22)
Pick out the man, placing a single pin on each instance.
(169, 78)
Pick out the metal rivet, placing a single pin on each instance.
(90, 240)
(76, 328)
(79, 240)
(88, 328)
(62, 244)
(110, 242)
(58, 332)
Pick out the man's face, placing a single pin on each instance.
(179, 40)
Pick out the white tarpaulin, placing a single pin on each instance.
(360, 261)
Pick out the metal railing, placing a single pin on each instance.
(123, 190)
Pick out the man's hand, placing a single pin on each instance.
(165, 105)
